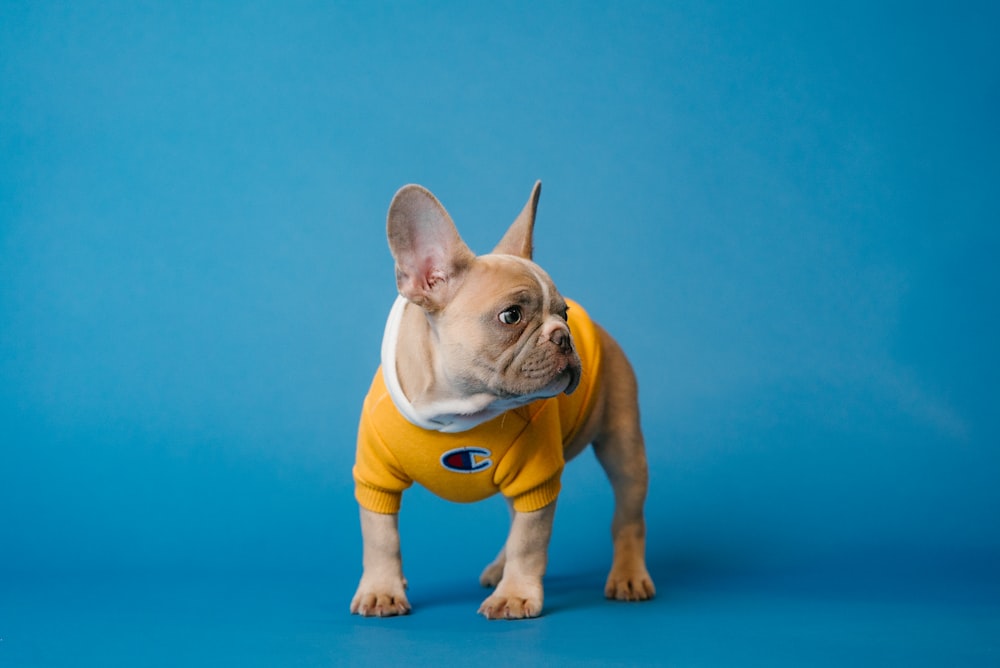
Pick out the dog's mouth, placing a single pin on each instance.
(572, 373)
(563, 379)
(537, 373)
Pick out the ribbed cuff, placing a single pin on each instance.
(377, 500)
(539, 497)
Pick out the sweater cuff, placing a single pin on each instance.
(377, 500)
(539, 497)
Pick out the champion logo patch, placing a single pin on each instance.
(467, 460)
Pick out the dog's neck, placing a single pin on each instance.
(412, 377)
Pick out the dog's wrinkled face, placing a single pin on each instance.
(505, 333)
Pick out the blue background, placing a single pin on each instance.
(786, 212)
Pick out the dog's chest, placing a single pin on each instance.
(521, 448)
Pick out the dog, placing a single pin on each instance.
(490, 380)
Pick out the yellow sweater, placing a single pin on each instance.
(518, 453)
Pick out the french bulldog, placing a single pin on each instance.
(490, 380)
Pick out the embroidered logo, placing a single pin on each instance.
(467, 460)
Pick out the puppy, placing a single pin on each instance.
(491, 380)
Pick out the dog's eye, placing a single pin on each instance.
(510, 315)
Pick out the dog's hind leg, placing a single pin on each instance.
(620, 449)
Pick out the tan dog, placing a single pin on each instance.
(484, 388)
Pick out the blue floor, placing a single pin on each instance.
(718, 603)
(704, 619)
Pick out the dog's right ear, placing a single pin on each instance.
(430, 256)
(518, 239)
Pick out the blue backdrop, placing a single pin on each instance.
(786, 212)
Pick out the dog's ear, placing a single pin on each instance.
(431, 257)
(518, 239)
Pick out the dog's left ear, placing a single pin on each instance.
(517, 240)
(431, 257)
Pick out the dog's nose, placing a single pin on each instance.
(559, 335)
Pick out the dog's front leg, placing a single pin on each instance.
(382, 590)
(519, 593)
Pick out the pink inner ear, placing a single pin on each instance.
(430, 244)
(432, 273)
(428, 250)
(423, 269)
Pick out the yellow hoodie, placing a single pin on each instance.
(518, 453)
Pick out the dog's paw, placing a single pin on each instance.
(512, 602)
(384, 601)
(629, 584)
